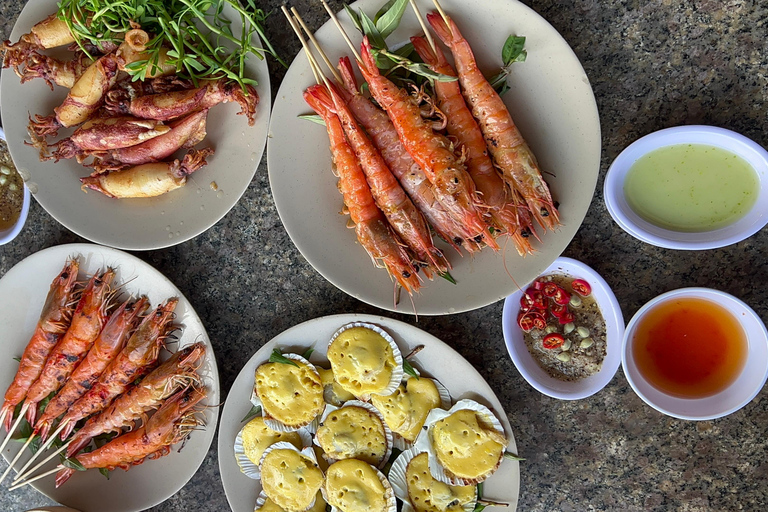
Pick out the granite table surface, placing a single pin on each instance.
(652, 64)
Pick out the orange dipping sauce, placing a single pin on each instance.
(689, 347)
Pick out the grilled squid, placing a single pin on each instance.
(103, 134)
(63, 73)
(148, 180)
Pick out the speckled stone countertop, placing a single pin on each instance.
(652, 65)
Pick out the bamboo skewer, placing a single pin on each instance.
(15, 426)
(343, 32)
(17, 457)
(427, 34)
(312, 38)
(21, 475)
(38, 477)
(312, 63)
(442, 12)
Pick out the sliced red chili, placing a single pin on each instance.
(553, 340)
(550, 289)
(526, 301)
(539, 322)
(561, 296)
(558, 310)
(525, 321)
(539, 300)
(581, 287)
(565, 318)
(537, 285)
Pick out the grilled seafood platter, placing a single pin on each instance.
(114, 372)
(345, 447)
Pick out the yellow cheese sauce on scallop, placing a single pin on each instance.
(362, 361)
(290, 394)
(353, 433)
(465, 446)
(332, 391)
(429, 495)
(271, 506)
(257, 437)
(290, 479)
(406, 409)
(354, 486)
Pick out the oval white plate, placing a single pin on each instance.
(437, 360)
(746, 386)
(134, 224)
(22, 294)
(550, 100)
(614, 327)
(632, 223)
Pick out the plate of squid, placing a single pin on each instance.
(132, 159)
(108, 380)
(490, 226)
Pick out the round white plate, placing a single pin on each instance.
(437, 360)
(134, 224)
(550, 100)
(22, 293)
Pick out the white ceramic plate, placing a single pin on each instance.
(614, 327)
(437, 360)
(552, 103)
(134, 224)
(22, 293)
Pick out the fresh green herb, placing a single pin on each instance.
(354, 17)
(18, 359)
(73, 463)
(389, 16)
(370, 30)
(478, 506)
(105, 472)
(512, 456)
(448, 277)
(407, 368)
(513, 51)
(308, 353)
(277, 357)
(312, 117)
(255, 411)
(417, 68)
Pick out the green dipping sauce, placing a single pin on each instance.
(691, 187)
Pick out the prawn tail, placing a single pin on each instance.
(348, 74)
(427, 54)
(31, 411)
(63, 475)
(43, 428)
(368, 67)
(448, 34)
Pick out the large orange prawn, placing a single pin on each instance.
(172, 423)
(508, 148)
(432, 151)
(54, 322)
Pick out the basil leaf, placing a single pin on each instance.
(277, 357)
(307, 353)
(479, 507)
(404, 51)
(512, 456)
(407, 368)
(513, 50)
(255, 411)
(354, 17)
(389, 21)
(448, 277)
(383, 10)
(73, 464)
(17, 359)
(312, 117)
(417, 68)
(105, 472)
(370, 30)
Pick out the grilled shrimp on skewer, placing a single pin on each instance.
(54, 322)
(390, 197)
(176, 373)
(371, 227)
(461, 125)
(138, 355)
(433, 152)
(508, 149)
(172, 423)
(87, 321)
(109, 343)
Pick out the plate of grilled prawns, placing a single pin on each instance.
(466, 160)
(108, 380)
(137, 127)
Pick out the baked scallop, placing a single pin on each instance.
(413, 483)
(291, 395)
(352, 485)
(365, 360)
(355, 431)
(255, 437)
(465, 444)
(290, 478)
(333, 393)
(264, 504)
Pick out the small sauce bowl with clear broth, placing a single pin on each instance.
(696, 353)
(689, 188)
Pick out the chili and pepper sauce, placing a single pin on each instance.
(11, 190)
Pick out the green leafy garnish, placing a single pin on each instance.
(255, 411)
(370, 30)
(407, 368)
(18, 359)
(308, 353)
(513, 51)
(312, 117)
(354, 17)
(512, 456)
(105, 472)
(277, 357)
(389, 16)
(447, 276)
(417, 68)
(73, 463)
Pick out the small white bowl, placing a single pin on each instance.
(731, 399)
(614, 325)
(632, 223)
(6, 235)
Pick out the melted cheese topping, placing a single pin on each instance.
(257, 437)
(354, 486)
(429, 495)
(332, 390)
(290, 479)
(290, 394)
(466, 446)
(362, 361)
(353, 433)
(405, 410)
(271, 506)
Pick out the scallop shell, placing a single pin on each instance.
(399, 481)
(260, 501)
(389, 494)
(399, 441)
(251, 469)
(397, 372)
(276, 424)
(388, 437)
(423, 443)
(307, 451)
